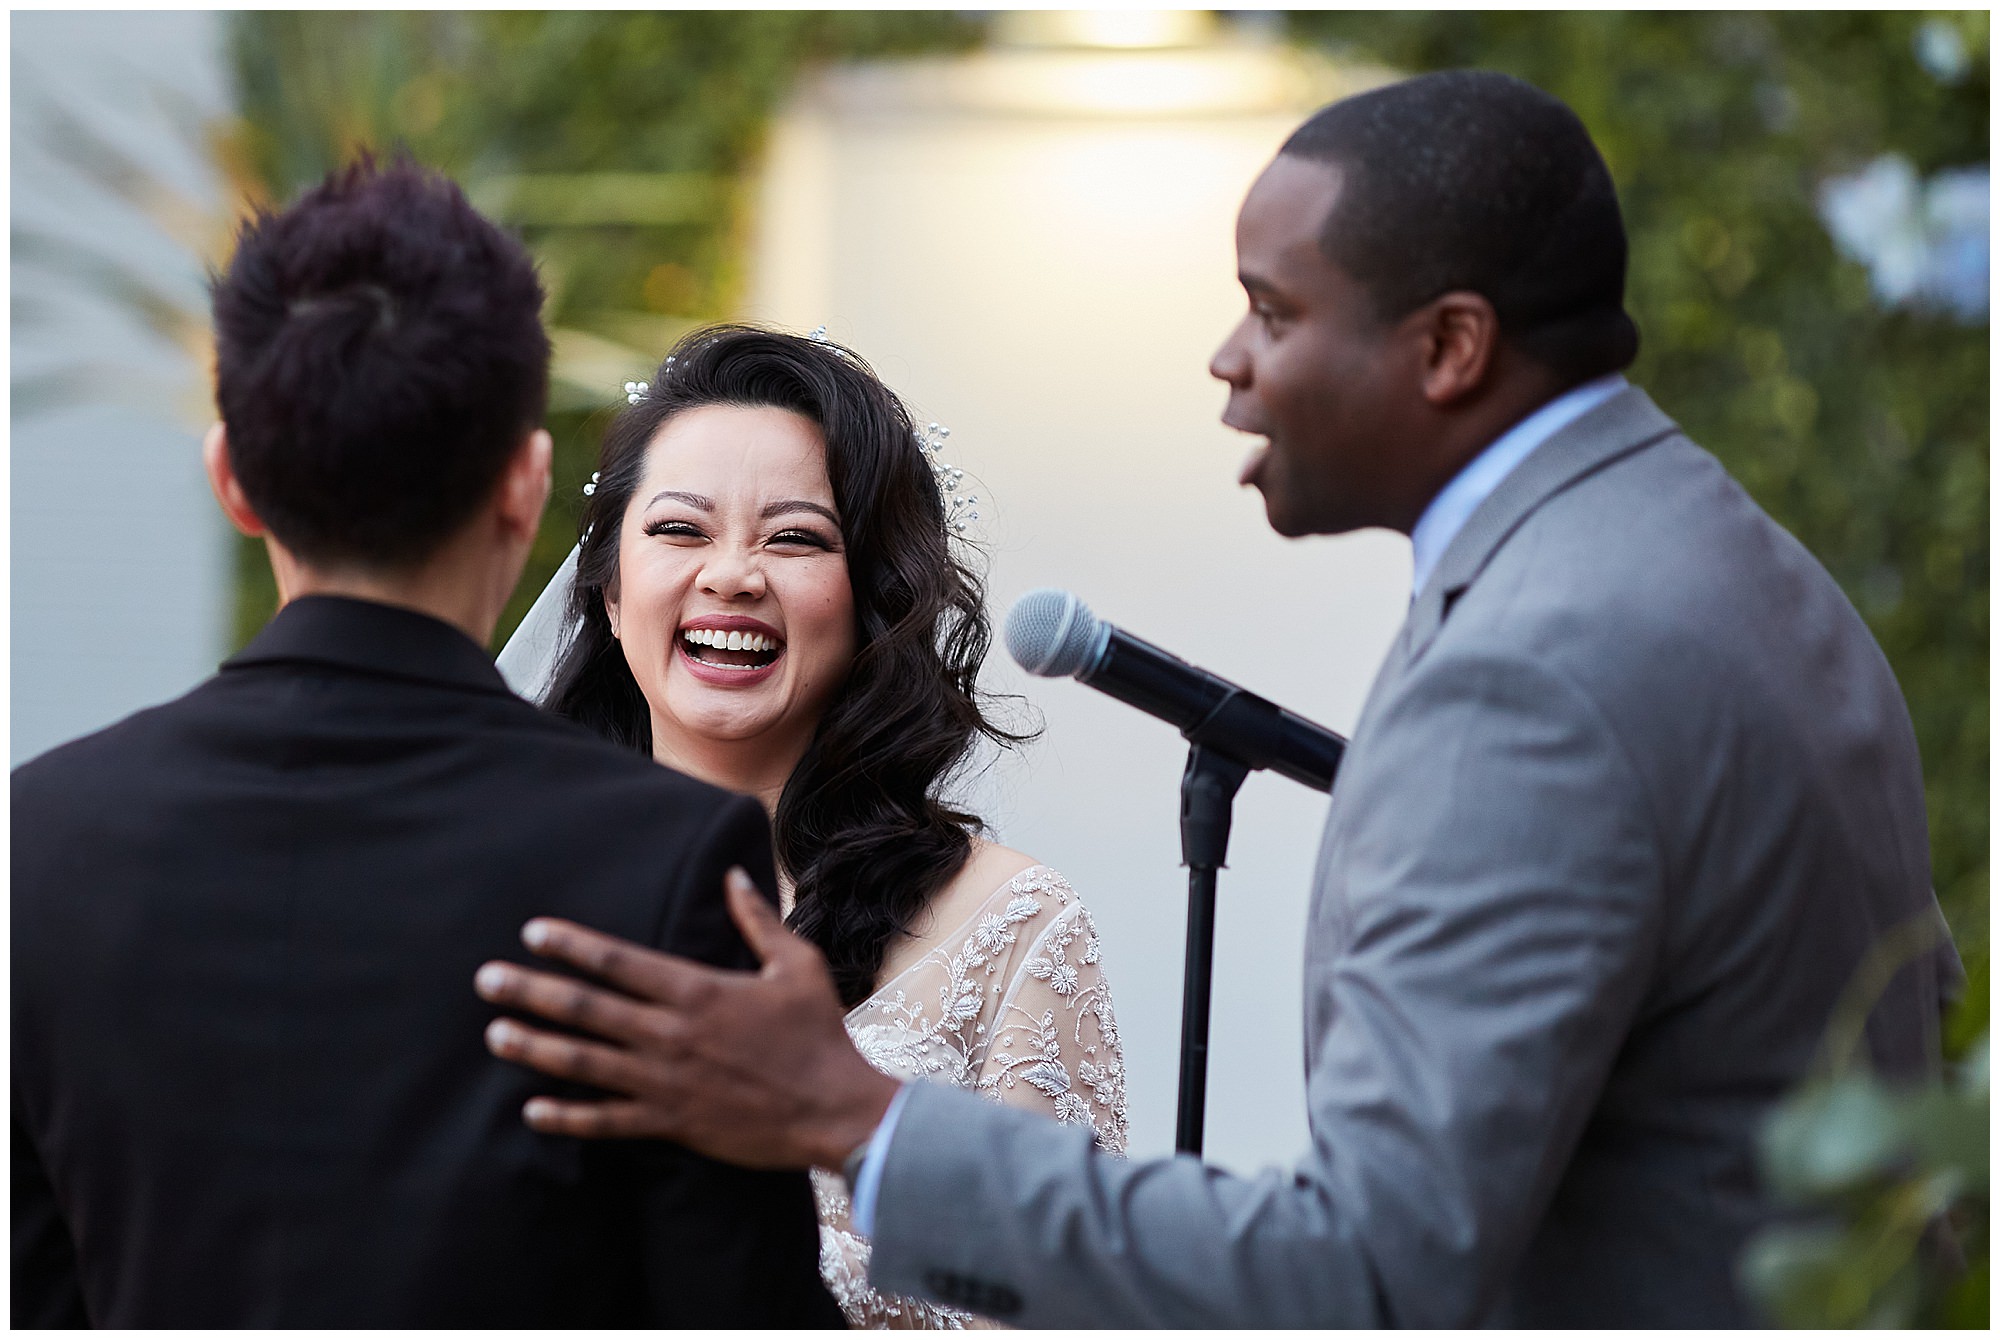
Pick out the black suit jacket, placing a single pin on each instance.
(250, 1087)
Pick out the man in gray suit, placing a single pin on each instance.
(1632, 797)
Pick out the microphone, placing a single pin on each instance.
(1052, 633)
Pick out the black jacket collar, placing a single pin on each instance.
(374, 638)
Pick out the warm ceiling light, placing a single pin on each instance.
(1116, 29)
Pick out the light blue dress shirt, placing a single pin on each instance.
(1434, 530)
(1471, 486)
(868, 1182)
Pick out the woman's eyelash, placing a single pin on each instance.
(671, 528)
(687, 529)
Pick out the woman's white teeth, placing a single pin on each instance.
(731, 641)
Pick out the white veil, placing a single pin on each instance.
(528, 661)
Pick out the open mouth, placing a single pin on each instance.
(730, 650)
(1253, 464)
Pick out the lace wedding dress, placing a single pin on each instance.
(1012, 1005)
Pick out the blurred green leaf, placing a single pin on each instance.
(1952, 1129)
(1819, 1277)
(1893, 1183)
(1832, 1136)
(1970, 1018)
(1968, 1305)
(585, 199)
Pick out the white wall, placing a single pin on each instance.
(119, 561)
(1049, 282)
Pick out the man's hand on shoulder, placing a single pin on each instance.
(754, 1068)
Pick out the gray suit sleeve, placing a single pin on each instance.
(1486, 924)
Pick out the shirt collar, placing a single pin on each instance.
(1470, 487)
(374, 638)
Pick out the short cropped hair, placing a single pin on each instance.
(379, 356)
(1472, 180)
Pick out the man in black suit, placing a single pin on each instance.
(249, 1082)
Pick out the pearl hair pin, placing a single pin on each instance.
(960, 510)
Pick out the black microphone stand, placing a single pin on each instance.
(1209, 785)
(1234, 736)
(1208, 789)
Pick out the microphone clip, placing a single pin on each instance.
(1215, 773)
(1208, 789)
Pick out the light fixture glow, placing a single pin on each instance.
(1113, 29)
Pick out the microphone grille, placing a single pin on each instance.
(1052, 633)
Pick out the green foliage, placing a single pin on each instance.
(616, 143)
(1879, 1165)
(1888, 1186)
(1863, 431)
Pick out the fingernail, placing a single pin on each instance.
(500, 1035)
(535, 934)
(538, 1110)
(739, 877)
(490, 979)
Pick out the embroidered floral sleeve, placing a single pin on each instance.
(1013, 1005)
(1052, 1042)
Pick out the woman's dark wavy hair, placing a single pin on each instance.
(860, 828)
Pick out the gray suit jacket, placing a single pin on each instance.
(1633, 795)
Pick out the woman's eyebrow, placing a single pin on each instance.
(694, 500)
(796, 505)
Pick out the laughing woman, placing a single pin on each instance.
(766, 597)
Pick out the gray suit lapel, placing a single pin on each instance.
(1621, 425)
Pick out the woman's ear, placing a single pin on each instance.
(611, 608)
(223, 481)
